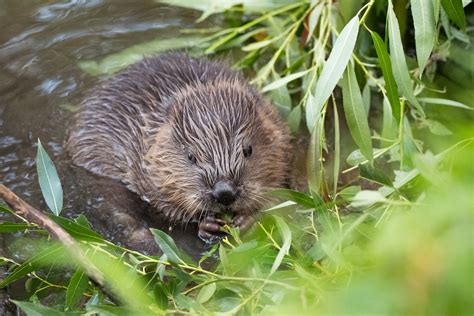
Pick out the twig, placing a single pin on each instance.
(37, 217)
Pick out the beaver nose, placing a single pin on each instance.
(224, 193)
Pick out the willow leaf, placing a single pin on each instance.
(455, 11)
(425, 30)
(386, 66)
(334, 68)
(49, 181)
(355, 113)
(77, 286)
(285, 233)
(397, 57)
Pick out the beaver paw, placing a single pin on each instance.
(210, 229)
(243, 222)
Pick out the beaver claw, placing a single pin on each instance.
(210, 229)
(242, 222)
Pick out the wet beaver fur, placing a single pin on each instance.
(190, 136)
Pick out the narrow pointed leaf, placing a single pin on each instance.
(49, 181)
(283, 81)
(295, 196)
(337, 150)
(77, 286)
(425, 30)
(386, 66)
(314, 18)
(32, 264)
(355, 113)
(389, 125)
(9, 227)
(285, 233)
(168, 246)
(313, 165)
(334, 67)
(446, 102)
(455, 11)
(294, 119)
(397, 57)
(36, 309)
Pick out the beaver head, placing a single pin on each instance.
(220, 150)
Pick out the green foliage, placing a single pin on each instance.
(385, 226)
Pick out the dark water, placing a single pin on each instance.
(41, 43)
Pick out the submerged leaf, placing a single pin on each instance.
(49, 180)
(333, 69)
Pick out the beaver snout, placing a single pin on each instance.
(225, 193)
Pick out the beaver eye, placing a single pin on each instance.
(248, 151)
(191, 157)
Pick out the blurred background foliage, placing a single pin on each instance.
(380, 95)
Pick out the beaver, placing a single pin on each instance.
(190, 136)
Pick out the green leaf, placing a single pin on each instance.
(133, 54)
(349, 192)
(356, 158)
(258, 45)
(283, 81)
(440, 101)
(397, 57)
(314, 18)
(76, 287)
(5, 209)
(206, 293)
(10, 227)
(281, 97)
(355, 113)
(455, 11)
(168, 246)
(294, 119)
(314, 165)
(425, 30)
(313, 110)
(49, 181)
(367, 198)
(31, 264)
(161, 298)
(76, 230)
(366, 98)
(209, 7)
(337, 150)
(333, 69)
(36, 309)
(386, 66)
(389, 125)
(285, 234)
(437, 128)
(295, 196)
